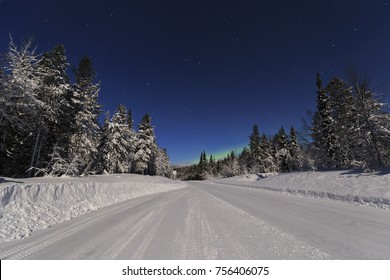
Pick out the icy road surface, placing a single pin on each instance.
(211, 221)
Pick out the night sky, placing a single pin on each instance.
(206, 71)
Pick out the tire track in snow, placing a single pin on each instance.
(202, 236)
(269, 242)
(143, 246)
(25, 250)
(140, 231)
(118, 246)
(158, 218)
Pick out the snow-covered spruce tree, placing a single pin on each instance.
(132, 138)
(295, 159)
(261, 157)
(105, 161)
(281, 153)
(316, 128)
(218, 167)
(4, 135)
(84, 141)
(55, 94)
(212, 166)
(255, 150)
(383, 129)
(267, 161)
(121, 139)
(340, 101)
(244, 160)
(2, 107)
(324, 130)
(202, 168)
(234, 164)
(20, 109)
(230, 166)
(145, 147)
(115, 140)
(350, 127)
(161, 164)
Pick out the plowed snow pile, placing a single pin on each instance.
(31, 204)
(372, 189)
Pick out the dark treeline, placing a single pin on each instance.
(279, 153)
(350, 129)
(49, 126)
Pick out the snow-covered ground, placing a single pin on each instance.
(371, 189)
(230, 218)
(30, 204)
(214, 221)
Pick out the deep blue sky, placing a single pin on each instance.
(206, 71)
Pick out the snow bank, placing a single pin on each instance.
(31, 204)
(372, 189)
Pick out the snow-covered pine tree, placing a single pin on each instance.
(20, 109)
(371, 127)
(84, 141)
(57, 166)
(145, 147)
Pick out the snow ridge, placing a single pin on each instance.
(377, 202)
(360, 189)
(39, 203)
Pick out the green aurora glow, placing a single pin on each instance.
(221, 154)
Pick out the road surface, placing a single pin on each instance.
(211, 221)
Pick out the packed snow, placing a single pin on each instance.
(371, 189)
(214, 221)
(31, 204)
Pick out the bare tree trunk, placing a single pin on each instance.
(34, 153)
(39, 152)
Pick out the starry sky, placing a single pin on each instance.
(206, 71)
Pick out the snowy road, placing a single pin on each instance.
(210, 221)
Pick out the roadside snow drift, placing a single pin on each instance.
(31, 204)
(372, 189)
